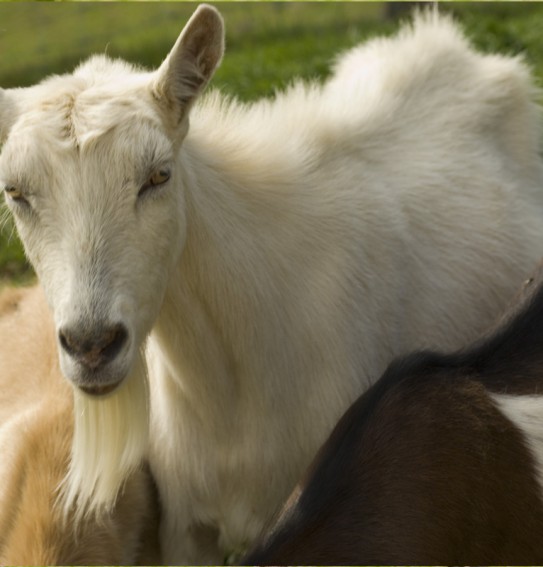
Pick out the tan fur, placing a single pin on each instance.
(36, 430)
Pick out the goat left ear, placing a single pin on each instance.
(8, 114)
(191, 62)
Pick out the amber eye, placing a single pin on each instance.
(14, 193)
(158, 177)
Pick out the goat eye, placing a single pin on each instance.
(158, 177)
(14, 193)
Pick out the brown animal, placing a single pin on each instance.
(36, 428)
(440, 462)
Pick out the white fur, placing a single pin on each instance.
(300, 244)
(526, 412)
(117, 426)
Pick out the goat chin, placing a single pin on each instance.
(110, 442)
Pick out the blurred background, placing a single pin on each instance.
(268, 44)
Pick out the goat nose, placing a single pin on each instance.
(93, 349)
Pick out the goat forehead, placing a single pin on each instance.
(77, 117)
(99, 111)
(86, 136)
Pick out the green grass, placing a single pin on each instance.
(267, 45)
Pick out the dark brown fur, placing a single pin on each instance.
(424, 468)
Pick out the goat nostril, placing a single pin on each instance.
(66, 342)
(114, 340)
(94, 349)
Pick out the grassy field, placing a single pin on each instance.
(267, 45)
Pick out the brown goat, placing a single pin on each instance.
(440, 462)
(36, 428)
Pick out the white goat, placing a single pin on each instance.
(276, 254)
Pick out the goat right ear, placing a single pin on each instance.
(8, 114)
(191, 62)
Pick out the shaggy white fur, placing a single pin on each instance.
(106, 429)
(292, 247)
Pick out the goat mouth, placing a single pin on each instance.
(98, 390)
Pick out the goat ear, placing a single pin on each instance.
(8, 114)
(191, 62)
